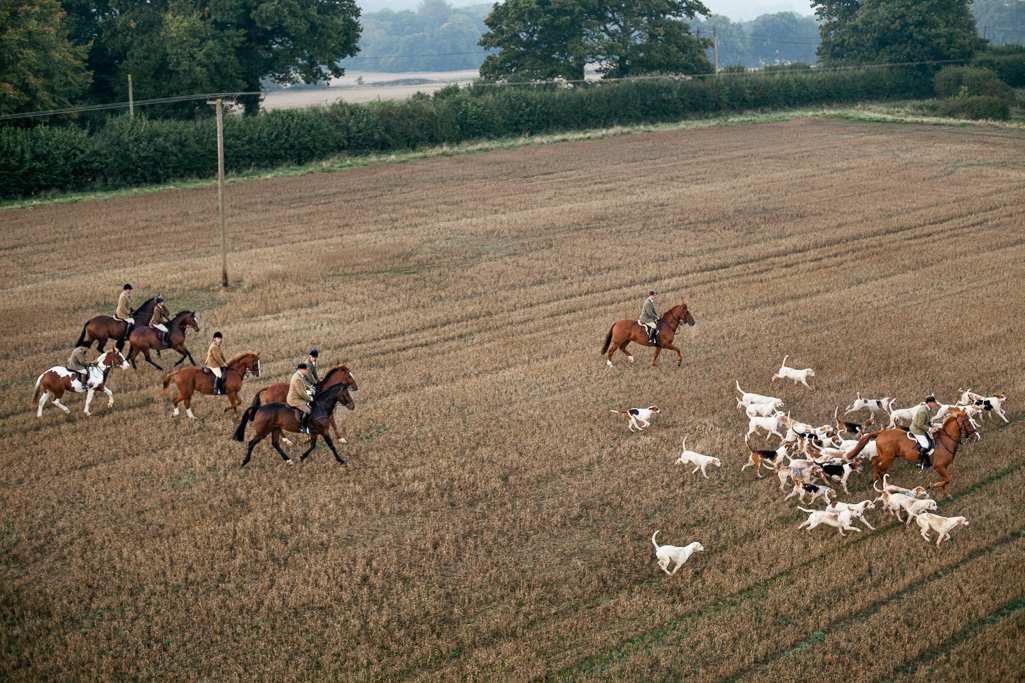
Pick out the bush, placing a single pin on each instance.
(1007, 61)
(967, 81)
(978, 107)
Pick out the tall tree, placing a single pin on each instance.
(535, 39)
(894, 31)
(540, 39)
(39, 68)
(632, 37)
(180, 47)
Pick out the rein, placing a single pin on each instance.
(676, 325)
(961, 439)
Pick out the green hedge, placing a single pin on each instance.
(127, 152)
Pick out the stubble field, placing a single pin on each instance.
(495, 521)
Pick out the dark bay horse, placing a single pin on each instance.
(57, 380)
(145, 339)
(191, 380)
(339, 374)
(104, 327)
(277, 418)
(625, 331)
(891, 443)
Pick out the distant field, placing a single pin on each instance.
(374, 86)
(495, 522)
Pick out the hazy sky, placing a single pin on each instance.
(739, 10)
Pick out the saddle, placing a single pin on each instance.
(83, 375)
(932, 442)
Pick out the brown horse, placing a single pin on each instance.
(339, 374)
(891, 443)
(277, 418)
(104, 327)
(145, 339)
(57, 380)
(190, 380)
(625, 331)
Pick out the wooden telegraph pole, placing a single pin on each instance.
(131, 101)
(220, 190)
(715, 48)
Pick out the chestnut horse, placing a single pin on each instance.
(190, 380)
(277, 418)
(55, 381)
(146, 338)
(104, 327)
(625, 331)
(339, 374)
(891, 443)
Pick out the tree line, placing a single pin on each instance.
(59, 53)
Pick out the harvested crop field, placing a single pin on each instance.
(495, 520)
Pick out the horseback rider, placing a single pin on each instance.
(160, 316)
(79, 363)
(649, 318)
(311, 366)
(124, 309)
(215, 363)
(300, 393)
(921, 429)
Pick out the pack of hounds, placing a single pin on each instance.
(813, 460)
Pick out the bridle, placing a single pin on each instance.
(962, 436)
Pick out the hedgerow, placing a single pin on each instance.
(134, 151)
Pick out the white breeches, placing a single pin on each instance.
(649, 326)
(216, 371)
(160, 327)
(922, 440)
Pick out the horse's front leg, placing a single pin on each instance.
(88, 401)
(110, 397)
(655, 357)
(944, 480)
(334, 426)
(233, 397)
(327, 439)
(679, 356)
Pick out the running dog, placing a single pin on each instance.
(635, 416)
(672, 553)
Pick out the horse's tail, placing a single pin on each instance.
(167, 381)
(240, 432)
(81, 337)
(39, 391)
(608, 340)
(862, 442)
(256, 399)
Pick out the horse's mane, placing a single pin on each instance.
(338, 368)
(144, 304)
(237, 356)
(180, 313)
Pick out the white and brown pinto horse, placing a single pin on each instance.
(57, 380)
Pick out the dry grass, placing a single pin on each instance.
(496, 521)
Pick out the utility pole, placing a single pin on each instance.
(715, 48)
(220, 190)
(131, 102)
